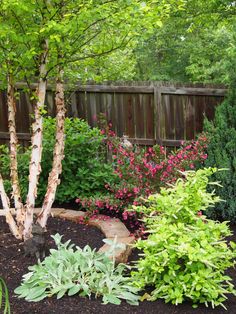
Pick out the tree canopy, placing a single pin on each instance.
(196, 43)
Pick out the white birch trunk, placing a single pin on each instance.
(58, 153)
(6, 206)
(36, 141)
(13, 153)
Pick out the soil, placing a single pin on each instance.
(13, 264)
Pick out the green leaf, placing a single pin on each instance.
(73, 290)
(110, 298)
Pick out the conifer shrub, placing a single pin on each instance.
(221, 153)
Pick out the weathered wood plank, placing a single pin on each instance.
(119, 99)
(21, 136)
(193, 91)
(179, 118)
(190, 119)
(3, 112)
(149, 116)
(81, 105)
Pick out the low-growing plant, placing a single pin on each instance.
(4, 297)
(185, 255)
(72, 270)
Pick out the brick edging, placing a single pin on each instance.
(112, 228)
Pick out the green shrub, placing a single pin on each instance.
(85, 170)
(77, 271)
(4, 298)
(222, 154)
(185, 255)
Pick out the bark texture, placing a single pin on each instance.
(6, 206)
(13, 153)
(58, 153)
(36, 141)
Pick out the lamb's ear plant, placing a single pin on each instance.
(185, 255)
(4, 298)
(72, 270)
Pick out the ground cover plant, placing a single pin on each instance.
(185, 255)
(140, 173)
(77, 271)
(85, 170)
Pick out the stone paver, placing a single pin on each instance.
(112, 228)
(70, 214)
(121, 255)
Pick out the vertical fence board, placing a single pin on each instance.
(179, 119)
(190, 119)
(82, 105)
(149, 108)
(72, 110)
(120, 118)
(139, 117)
(200, 106)
(3, 112)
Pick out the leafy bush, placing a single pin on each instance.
(141, 172)
(85, 170)
(77, 271)
(4, 297)
(222, 154)
(185, 255)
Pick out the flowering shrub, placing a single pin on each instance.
(141, 172)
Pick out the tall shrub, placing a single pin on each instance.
(85, 170)
(222, 154)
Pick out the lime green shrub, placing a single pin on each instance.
(222, 154)
(185, 255)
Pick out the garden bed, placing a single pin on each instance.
(13, 265)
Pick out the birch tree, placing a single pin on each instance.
(56, 36)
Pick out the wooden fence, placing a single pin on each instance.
(148, 113)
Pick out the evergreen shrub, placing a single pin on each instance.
(221, 153)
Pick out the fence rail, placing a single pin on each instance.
(148, 113)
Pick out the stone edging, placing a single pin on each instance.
(112, 228)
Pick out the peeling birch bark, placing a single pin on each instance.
(13, 153)
(36, 142)
(6, 206)
(58, 153)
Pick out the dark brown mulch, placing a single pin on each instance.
(13, 265)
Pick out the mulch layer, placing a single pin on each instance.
(13, 264)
